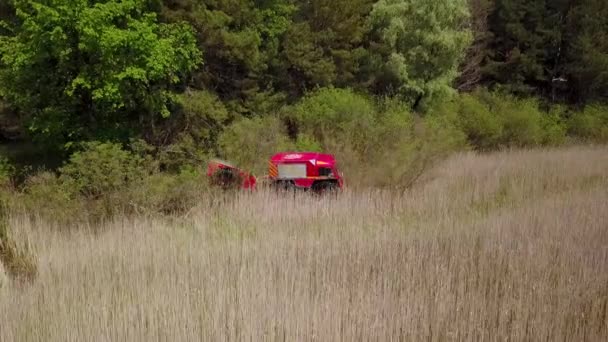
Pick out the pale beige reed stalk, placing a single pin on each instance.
(507, 246)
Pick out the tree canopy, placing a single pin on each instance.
(81, 70)
(421, 44)
(178, 74)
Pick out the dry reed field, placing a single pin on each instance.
(508, 246)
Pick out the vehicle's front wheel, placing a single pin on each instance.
(325, 188)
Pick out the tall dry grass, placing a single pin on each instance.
(508, 246)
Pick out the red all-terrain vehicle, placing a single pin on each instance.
(313, 171)
(309, 171)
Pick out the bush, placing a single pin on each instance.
(46, 195)
(332, 116)
(305, 142)
(6, 172)
(491, 120)
(167, 193)
(251, 142)
(196, 126)
(524, 123)
(433, 139)
(591, 124)
(483, 127)
(378, 143)
(102, 168)
(95, 184)
(555, 129)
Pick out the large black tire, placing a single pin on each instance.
(325, 188)
(284, 186)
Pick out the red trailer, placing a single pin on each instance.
(226, 175)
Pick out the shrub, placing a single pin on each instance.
(378, 143)
(522, 123)
(305, 142)
(483, 127)
(341, 122)
(6, 172)
(250, 142)
(168, 193)
(442, 134)
(590, 124)
(47, 196)
(101, 168)
(329, 115)
(196, 126)
(491, 120)
(555, 129)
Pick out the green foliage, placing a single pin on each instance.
(334, 114)
(194, 129)
(304, 142)
(6, 172)
(46, 196)
(327, 47)
(483, 127)
(421, 46)
(250, 142)
(526, 35)
(590, 124)
(522, 125)
(554, 126)
(81, 69)
(241, 40)
(587, 62)
(379, 143)
(492, 120)
(307, 63)
(555, 49)
(167, 193)
(471, 68)
(405, 146)
(102, 168)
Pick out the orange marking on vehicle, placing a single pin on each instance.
(273, 171)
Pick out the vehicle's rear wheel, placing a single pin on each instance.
(284, 187)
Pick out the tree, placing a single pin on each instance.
(586, 66)
(80, 69)
(419, 45)
(327, 44)
(7, 12)
(190, 135)
(527, 48)
(241, 39)
(471, 68)
(305, 62)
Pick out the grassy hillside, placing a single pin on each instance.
(487, 247)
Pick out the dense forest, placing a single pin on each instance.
(170, 83)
